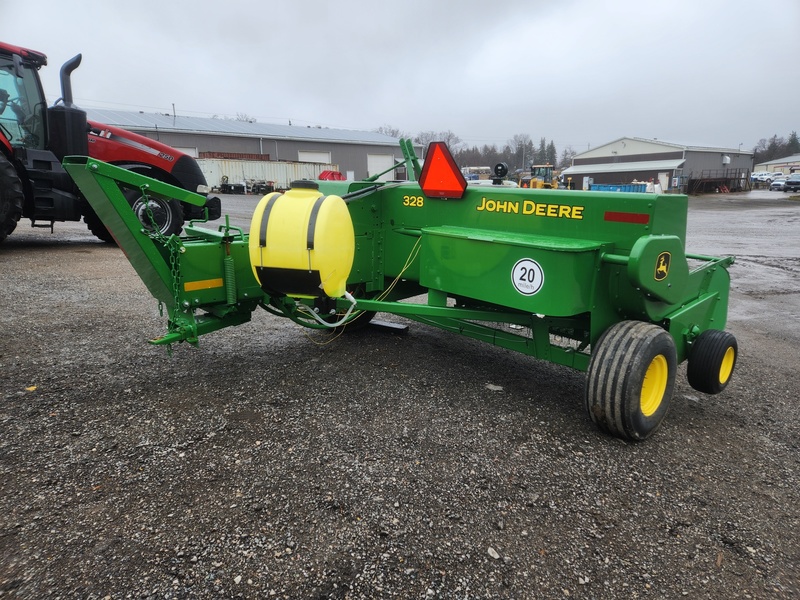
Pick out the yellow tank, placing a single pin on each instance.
(302, 243)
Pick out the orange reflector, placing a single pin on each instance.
(441, 177)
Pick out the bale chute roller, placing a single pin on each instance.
(599, 282)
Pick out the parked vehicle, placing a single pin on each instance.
(540, 177)
(792, 183)
(35, 139)
(777, 184)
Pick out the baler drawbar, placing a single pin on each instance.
(597, 281)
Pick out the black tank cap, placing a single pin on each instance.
(304, 184)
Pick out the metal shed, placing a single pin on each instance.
(357, 153)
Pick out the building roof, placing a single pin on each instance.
(655, 142)
(697, 148)
(624, 167)
(795, 158)
(142, 121)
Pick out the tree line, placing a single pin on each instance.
(519, 152)
(776, 147)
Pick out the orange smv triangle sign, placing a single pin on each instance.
(441, 177)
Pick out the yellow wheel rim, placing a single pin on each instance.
(654, 385)
(726, 368)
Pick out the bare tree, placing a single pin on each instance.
(775, 147)
(521, 148)
(392, 132)
(245, 118)
(567, 154)
(423, 138)
(453, 142)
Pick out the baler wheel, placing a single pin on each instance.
(631, 378)
(712, 360)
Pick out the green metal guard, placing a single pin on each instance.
(204, 278)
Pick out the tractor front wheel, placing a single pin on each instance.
(711, 361)
(155, 213)
(11, 198)
(631, 378)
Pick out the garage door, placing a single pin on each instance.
(377, 163)
(315, 157)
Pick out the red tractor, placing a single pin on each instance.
(34, 140)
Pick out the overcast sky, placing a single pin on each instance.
(578, 72)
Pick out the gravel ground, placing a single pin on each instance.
(273, 462)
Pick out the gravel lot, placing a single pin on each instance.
(273, 462)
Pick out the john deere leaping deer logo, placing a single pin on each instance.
(662, 266)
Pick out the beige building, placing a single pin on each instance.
(677, 167)
(786, 165)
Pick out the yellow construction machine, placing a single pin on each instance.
(541, 177)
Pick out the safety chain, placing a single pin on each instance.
(175, 247)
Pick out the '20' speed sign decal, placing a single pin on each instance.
(527, 277)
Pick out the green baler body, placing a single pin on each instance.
(563, 265)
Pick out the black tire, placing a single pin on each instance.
(712, 361)
(631, 378)
(168, 215)
(96, 226)
(11, 198)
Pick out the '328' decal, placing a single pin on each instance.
(416, 201)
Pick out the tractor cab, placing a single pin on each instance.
(25, 120)
(23, 109)
(543, 172)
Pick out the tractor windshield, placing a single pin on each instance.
(22, 106)
(542, 172)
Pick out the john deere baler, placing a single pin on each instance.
(597, 281)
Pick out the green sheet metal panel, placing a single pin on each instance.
(537, 274)
(98, 183)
